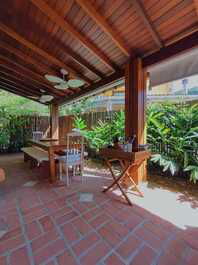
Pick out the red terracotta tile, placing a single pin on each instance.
(95, 254)
(10, 244)
(92, 214)
(177, 247)
(46, 223)
(12, 233)
(19, 256)
(60, 212)
(44, 239)
(157, 230)
(33, 230)
(70, 233)
(61, 202)
(50, 250)
(66, 258)
(80, 207)
(3, 260)
(169, 259)
(85, 243)
(67, 217)
(118, 228)
(145, 256)
(113, 260)
(109, 236)
(192, 257)
(99, 220)
(81, 226)
(149, 237)
(129, 246)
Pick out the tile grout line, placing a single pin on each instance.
(28, 244)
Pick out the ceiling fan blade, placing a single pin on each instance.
(46, 98)
(62, 86)
(54, 79)
(75, 83)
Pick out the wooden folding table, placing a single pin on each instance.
(129, 161)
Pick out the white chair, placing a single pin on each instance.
(74, 156)
(37, 135)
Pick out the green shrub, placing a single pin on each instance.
(172, 133)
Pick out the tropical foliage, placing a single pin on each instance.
(172, 133)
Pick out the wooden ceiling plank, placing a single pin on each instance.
(182, 45)
(38, 78)
(26, 78)
(196, 6)
(142, 13)
(89, 8)
(29, 89)
(67, 27)
(10, 84)
(19, 93)
(41, 52)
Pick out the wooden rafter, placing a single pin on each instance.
(89, 8)
(8, 69)
(26, 58)
(67, 27)
(13, 86)
(38, 78)
(109, 79)
(174, 49)
(142, 13)
(7, 88)
(19, 84)
(41, 52)
(196, 5)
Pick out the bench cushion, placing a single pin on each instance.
(36, 153)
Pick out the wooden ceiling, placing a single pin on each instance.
(91, 39)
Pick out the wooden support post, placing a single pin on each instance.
(54, 128)
(135, 104)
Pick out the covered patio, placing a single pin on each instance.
(92, 44)
(48, 224)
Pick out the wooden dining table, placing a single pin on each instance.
(51, 146)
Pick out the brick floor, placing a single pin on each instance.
(48, 225)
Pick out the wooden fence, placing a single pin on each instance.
(15, 133)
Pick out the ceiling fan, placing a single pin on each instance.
(64, 83)
(44, 98)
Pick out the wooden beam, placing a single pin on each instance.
(26, 58)
(196, 5)
(15, 87)
(90, 9)
(10, 71)
(20, 85)
(54, 119)
(145, 18)
(67, 27)
(18, 93)
(39, 78)
(135, 105)
(109, 79)
(174, 49)
(41, 52)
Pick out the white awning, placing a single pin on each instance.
(176, 68)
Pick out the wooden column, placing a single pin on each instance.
(135, 103)
(54, 115)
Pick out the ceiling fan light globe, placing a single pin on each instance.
(75, 83)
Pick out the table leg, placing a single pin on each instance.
(116, 181)
(52, 165)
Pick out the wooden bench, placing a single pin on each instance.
(39, 159)
(35, 153)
